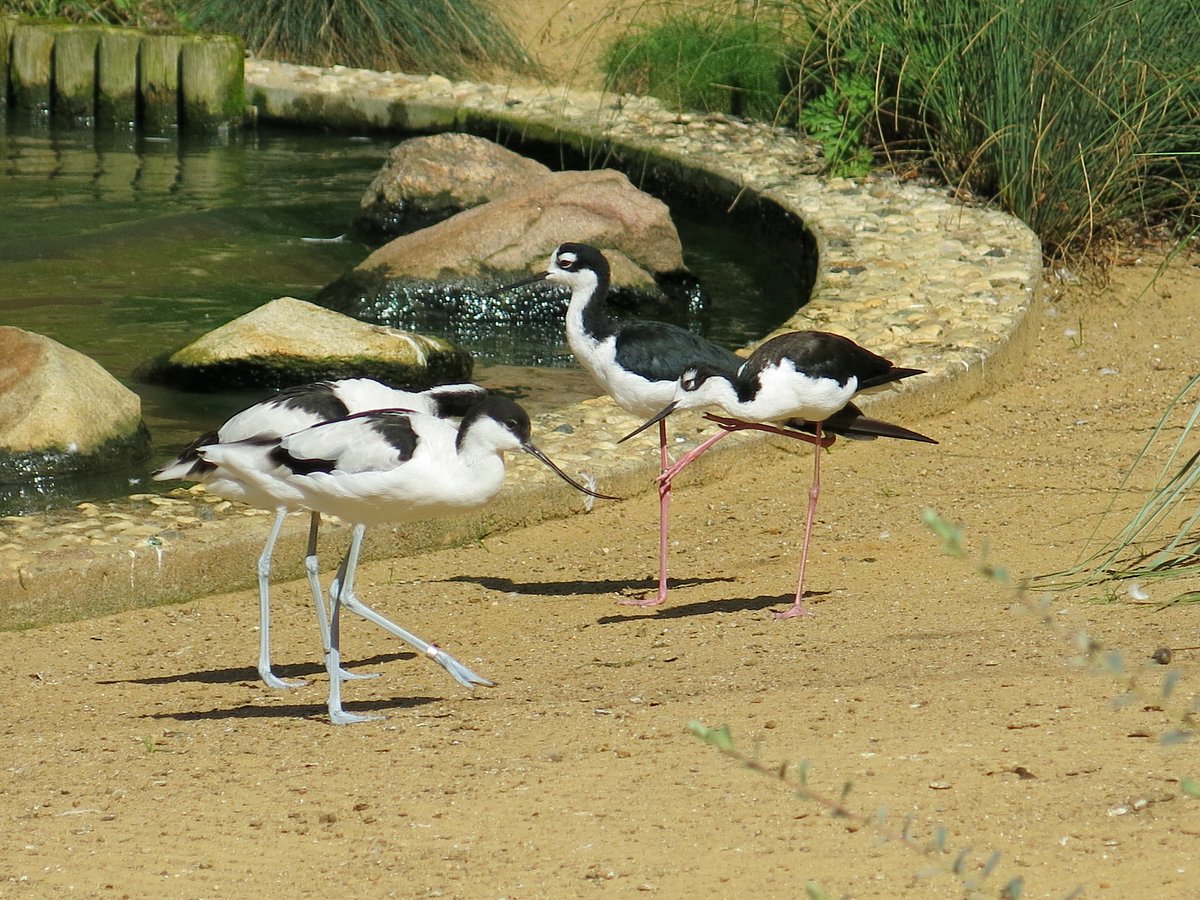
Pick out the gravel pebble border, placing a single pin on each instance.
(904, 269)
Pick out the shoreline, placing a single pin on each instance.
(932, 283)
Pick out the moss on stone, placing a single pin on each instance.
(117, 452)
(452, 364)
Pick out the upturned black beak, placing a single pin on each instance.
(653, 420)
(539, 455)
(540, 276)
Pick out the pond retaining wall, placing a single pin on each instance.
(93, 75)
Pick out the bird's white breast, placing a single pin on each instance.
(633, 393)
(785, 393)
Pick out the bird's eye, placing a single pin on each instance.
(566, 260)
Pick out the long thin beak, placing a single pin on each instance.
(538, 454)
(516, 284)
(654, 420)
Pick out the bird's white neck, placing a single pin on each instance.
(580, 325)
(715, 391)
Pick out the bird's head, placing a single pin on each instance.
(578, 266)
(698, 381)
(574, 264)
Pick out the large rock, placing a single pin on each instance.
(290, 341)
(428, 179)
(438, 278)
(512, 235)
(62, 413)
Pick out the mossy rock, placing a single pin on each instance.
(61, 413)
(289, 341)
(56, 462)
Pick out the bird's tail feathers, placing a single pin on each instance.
(850, 422)
(188, 466)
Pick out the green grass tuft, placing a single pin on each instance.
(712, 62)
(454, 38)
(1082, 119)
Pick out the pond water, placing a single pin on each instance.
(124, 247)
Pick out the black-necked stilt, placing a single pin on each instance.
(636, 362)
(290, 410)
(387, 466)
(803, 380)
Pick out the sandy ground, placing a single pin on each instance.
(143, 758)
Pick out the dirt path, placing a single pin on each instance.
(145, 759)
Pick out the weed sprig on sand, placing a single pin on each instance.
(973, 870)
(1091, 653)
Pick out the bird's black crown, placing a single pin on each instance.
(571, 257)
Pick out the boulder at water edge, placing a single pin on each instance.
(62, 413)
(428, 179)
(290, 341)
(449, 267)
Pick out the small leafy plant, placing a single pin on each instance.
(970, 870)
(964, 866)
(838, 117)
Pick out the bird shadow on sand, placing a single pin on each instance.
(707, 607)
(568, 588)
(249, 673)
(317, 711)
(640, 587)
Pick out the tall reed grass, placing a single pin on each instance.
(1160, 542)
(455, 38)
(1081, 118)
(137, 13)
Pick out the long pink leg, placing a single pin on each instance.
(814, 491)
(664, 507)
(692, 455)
(728, 426)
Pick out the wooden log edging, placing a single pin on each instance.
(100, 76)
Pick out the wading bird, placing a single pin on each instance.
(387, 466)
(635, 361)
(799, 381)
(287, 411)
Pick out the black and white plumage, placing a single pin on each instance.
(387, 466)
(803, 381)
(293, 409)
(636, 362)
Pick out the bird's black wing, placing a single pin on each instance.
(822, 354)
(319, 399)
(660, 351)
